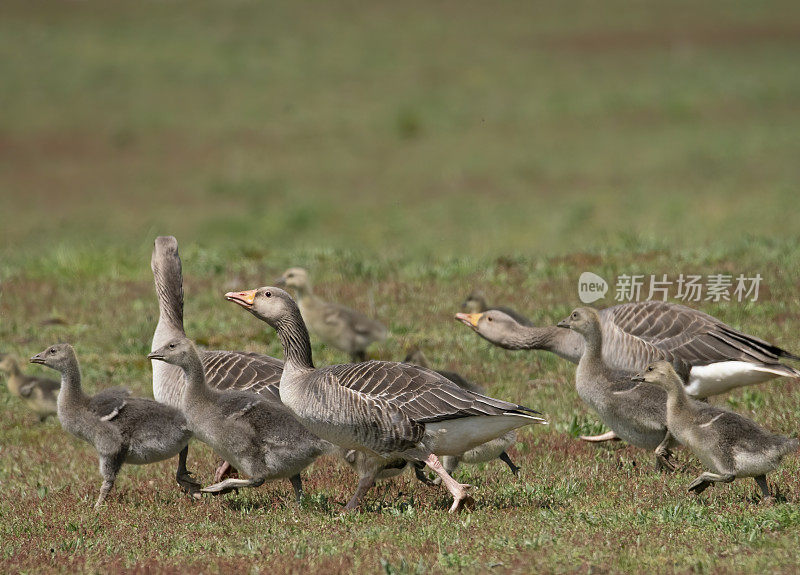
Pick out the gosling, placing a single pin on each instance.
(727, 443)
(121, 428)
(256, 434)
(38, 393)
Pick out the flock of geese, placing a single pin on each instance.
(644, 368)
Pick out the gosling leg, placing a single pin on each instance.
(706, 479)
(365, 483)
(767, 498)
(664, 459)
(297, 483)
(507, 460)
(230, 484)
(607, 436)
(109, 467)
(184, 477)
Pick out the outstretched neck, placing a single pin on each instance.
(550, 338)
(677, 401)
(169, 288)
(71, 394)
(296, 343)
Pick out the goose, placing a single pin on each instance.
(727, 443)
(387, 409)
(254, 432)
(710, 356)
(476, 303)
(635, 413)
(494, 449)
(336, 325)
(121, 428)
(38, 393)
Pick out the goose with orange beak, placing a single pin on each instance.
(385, 409)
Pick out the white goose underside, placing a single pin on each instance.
(716, 378)
(455, 436)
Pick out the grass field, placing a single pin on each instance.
(405, 153)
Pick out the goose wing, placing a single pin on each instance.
(421, 395)
(243, 371)
(683, 334)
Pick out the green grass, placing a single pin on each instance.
(405, 154)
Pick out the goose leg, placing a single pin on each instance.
(461, 491)
(365, 483)
(184, 477)
(767, 498)
(224, 470)
(706, 479)
(230, 484)
(607, 436)
(297, 483)
(109, 467)
(664, 459)
(507, 460)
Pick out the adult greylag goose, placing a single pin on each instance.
(635, 413)
(494, 449)
(256, 433)
(382, 408)
(710, 356)
(38, 393)
(727, 443)
(338, 326)
(121, 428)
(224, 370)
(476, 303)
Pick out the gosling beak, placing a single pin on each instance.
(280, 282)
(243, 298)
(470, 319)
(38, 358)
(156, 355)
(563, 323)
(638, 377)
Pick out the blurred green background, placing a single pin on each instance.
(405, 152)
(456, 128)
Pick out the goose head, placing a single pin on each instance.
(584, 320)
(269, 304)
(660, 373)
(59, 356)
(493, 325)
(164, 248)
(178, 351)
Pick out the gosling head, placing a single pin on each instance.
(584, 320)
(269, 304)
(475, 302)
(660, 373)
(296, 278)
(6, 363)
(178, 351)
(59, 357)
(493, 325)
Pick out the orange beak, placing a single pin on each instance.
(470, 319)
(243, 298)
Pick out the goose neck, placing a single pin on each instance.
(169, 288)
(71, 393)
(295, 341)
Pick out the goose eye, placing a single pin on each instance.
(53, 350)
(650, 368)
(489, 318)
(172, 346)
(574, 315)
(267, 294)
